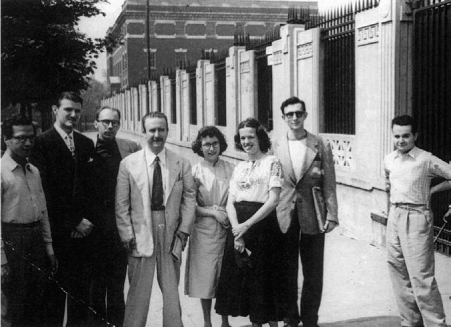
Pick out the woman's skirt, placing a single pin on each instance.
(248, 280)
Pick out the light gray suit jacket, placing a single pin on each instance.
(133, 196)
(318, 171)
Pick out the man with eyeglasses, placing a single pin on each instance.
(63, 157)
(307, 210)
(25, 227)
(109, 256)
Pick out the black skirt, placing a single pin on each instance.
(248, 283)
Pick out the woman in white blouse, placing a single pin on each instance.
(248, 280)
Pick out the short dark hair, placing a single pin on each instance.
(15, 120)
(72, 96)
(290, 101)
(263, 138)
(107, 107)
(210, 131)
(153, 114)
(405, 120)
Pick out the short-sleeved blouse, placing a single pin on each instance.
(212, 182)
(252, 180)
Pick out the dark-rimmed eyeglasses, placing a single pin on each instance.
(207, 146)
(107, 122)
(299, 114)
(22, 139)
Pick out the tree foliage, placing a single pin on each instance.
(92, 96)
(43, 53)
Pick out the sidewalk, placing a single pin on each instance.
(357, 288)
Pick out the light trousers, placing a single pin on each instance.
(411, 264)
(141, 273)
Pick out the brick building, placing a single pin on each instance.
(181, 30)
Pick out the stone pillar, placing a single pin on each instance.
(209, 95)
(282, 60)
(232, 90)
(185, 105)
(200, 92)
(247, 85)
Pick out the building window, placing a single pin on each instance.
(180, 58)
(153, 60)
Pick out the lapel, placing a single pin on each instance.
(284, 155)
(60, 145)
(173, 165)
(139, 171)
(310, 154)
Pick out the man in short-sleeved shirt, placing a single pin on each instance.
(410, 244)
(25, 226)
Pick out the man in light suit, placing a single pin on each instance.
(155, 206)
(109, 264)
(63, 157)
(307, 162)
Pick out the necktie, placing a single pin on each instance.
(71, 145)
(157, 186)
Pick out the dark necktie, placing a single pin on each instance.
(157, 186)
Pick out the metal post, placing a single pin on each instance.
(148, 54)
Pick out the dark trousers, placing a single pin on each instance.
(24, 287)
(108, 278)
(312, 260)
(73, 276)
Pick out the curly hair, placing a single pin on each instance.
(263, 138)
(210, 131)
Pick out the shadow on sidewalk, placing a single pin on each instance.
(382, 321)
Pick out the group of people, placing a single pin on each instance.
(80, 213)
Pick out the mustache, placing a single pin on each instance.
(157, 139)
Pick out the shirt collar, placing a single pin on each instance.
(62, 132)
(10, 164)
(150, 156)
(412, 153)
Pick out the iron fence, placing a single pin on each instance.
(431, 96)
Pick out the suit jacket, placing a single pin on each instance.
(133, 196)
(127, 147)
(318, 171)
(64, 178)
(103, 184)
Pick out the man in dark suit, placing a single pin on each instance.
(308, 166)
(109, 255)
(63, 157)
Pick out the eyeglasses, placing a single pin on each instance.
(107, 122)
(207, 146)
(299, 114)
(23, 139)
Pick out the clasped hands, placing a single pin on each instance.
(221, 217)
(240, 229)
(83, 229)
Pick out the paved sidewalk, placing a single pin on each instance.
(357, 288)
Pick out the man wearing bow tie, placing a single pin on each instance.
(63, 157)
(155, 205)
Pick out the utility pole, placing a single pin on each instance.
(148, 53)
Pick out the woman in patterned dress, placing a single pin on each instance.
(248, 280)
(207, 240)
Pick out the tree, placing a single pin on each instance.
(92, 96)
(43, 54)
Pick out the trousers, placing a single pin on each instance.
(141, 272)
(411, 264)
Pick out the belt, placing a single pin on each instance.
(161, 208)
(215, 207)
(411, 206)
(21, 226)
